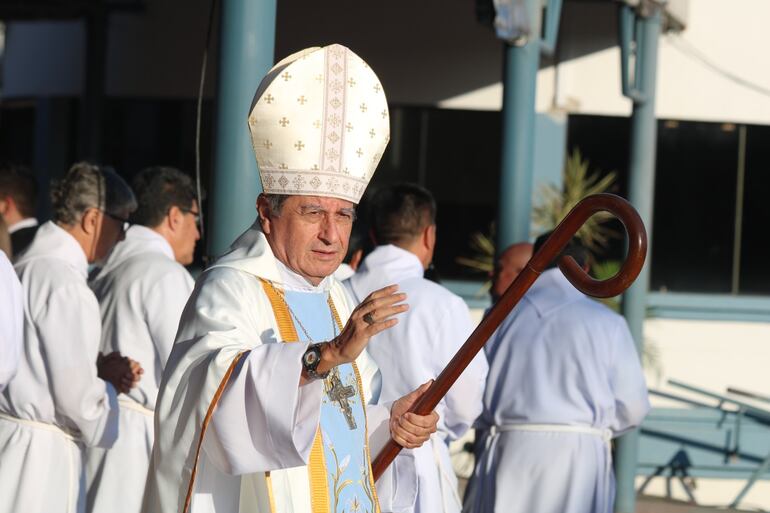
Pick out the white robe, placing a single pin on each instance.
(264, 421)
(560, 361)
(417, 349)
(11, 321)
(142, 291)
(55, 404)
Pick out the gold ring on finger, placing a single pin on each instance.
(369, 318)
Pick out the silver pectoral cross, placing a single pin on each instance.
(340, 394)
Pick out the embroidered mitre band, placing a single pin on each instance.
(319, 124)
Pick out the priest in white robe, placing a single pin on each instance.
(403, 219)
(11, 321)
(60, 400)
(267, 400)
(508, 265)
(564, 380)
(142, 290)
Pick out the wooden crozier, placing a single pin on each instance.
(637, 251)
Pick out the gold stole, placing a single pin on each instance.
(319, 487)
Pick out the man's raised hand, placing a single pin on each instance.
(374, 314)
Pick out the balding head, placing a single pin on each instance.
(508, 266)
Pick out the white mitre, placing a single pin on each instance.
(319, 124)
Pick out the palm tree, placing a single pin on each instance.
(555, 204)
(579, 182)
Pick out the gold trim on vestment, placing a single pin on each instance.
(270, 496)
(319, 480)
(286, 328)
(205, 424)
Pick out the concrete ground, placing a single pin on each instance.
(648, 504)
(658, 505)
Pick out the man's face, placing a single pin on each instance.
(310, 234)
(188, 235)
(508, 266)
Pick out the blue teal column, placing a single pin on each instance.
(518, 135)
(647, 26)
(246, 47)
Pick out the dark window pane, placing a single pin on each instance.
(693, 225)
(17, 132)
(400, 162)
(604, 142)
(456, 155)
(147, 132)
(755, 272)
(463, 172)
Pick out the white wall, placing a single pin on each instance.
(734, 39)
(431, 52)
(709, 354)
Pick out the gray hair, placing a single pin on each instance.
(90, 186)
(275, 202)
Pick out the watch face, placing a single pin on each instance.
(311, 357)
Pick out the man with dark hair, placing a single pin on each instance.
(169, 206)
(142, 290)
(403, 212)
(63, 397)
(18, 202)
(564, 379)
(417, 349)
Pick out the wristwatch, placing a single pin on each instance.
(311, 359)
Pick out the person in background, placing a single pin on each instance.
(438, 322)
(355, 252)
(142, 290)
(11, 321)
(5, 239)
(18, 202)
(64, 395)
(508, 265)
(564, 379)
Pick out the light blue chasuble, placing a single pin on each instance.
(343, 418)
